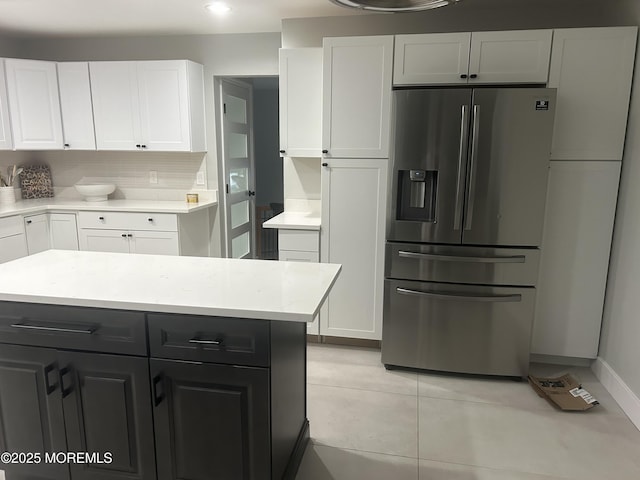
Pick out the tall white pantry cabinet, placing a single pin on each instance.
(592, 69)
(356, 122)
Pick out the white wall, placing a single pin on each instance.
(620, 338)
(222, 55)
(469, 15)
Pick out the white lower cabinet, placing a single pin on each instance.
(148, 233)
(581, 205)
(13, 243)
(36, 228)
(300, 246)
(354, 196)
(64, 231)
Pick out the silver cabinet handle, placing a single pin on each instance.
(468, 217)
(458, 297)
(462, 155)
(48, 328)
(462, 258)
(205, 342)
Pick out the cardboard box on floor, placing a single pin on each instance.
(564, 392)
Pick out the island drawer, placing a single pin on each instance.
(128, 221)
(233, 341)
(73, 328)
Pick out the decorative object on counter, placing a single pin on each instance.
(7, 191)
(95, 192)
(35, 181)
(192, 198)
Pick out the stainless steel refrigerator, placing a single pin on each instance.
(465, 218)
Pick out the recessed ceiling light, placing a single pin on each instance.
(394, 5)
(218, 8)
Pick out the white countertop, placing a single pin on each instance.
(260, 289)
(148, 206)
(294, 221)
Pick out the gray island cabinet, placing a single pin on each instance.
(146, 386)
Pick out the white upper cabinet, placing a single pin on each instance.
(432, 58)
(301, 102)
(114, 90)
(6, 142)
(152, 106)
(34, 105)
(592, 69)
(75, 104)
(357, 96)
(519, 56)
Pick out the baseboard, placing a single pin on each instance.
(558, 360)
(352, 342)
(619, 390)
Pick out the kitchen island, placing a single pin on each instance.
(157, 367)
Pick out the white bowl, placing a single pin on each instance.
(95, 192)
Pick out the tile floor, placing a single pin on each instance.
(372, 424)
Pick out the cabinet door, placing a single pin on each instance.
(433, 58)
(75, 104)
(31, 418)
(107, 408)
(581, 205)
(357, 96)
(211, 421)
(34, 104)
(115, 241)
(116, 110)
(353, 228)
(592, 69)
(6, 142)
(12, 247)
(164, 105)
(301, 102)
(520, 56)
(64, 232)
(37, 230)
(155, 243)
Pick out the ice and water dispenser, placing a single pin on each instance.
(417, 193)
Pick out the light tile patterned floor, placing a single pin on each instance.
(371, 424)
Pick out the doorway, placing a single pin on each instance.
(251, 169)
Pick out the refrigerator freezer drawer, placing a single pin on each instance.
(461, 264)
(457, 328)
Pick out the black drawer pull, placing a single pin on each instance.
(199, 341)
(48, 387)
(65, 391)
(47, 328)
(157, 399)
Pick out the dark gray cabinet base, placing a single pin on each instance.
(194, 398)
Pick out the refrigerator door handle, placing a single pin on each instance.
(462, 155)
(468, 217)
(465, 298)
(462, 258)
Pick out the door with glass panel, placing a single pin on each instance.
(238, 167)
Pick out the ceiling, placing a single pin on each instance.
(137, 17)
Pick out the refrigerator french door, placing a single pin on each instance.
(464, 224)
(470, 166)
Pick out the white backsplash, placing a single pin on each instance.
(176, 172)
(302, 185)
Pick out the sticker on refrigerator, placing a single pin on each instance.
(542, 104)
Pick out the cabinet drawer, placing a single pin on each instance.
(167, 222)
(295, 256)
(236, 341)
(11, 226)
(299, 240)
(74, 328)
